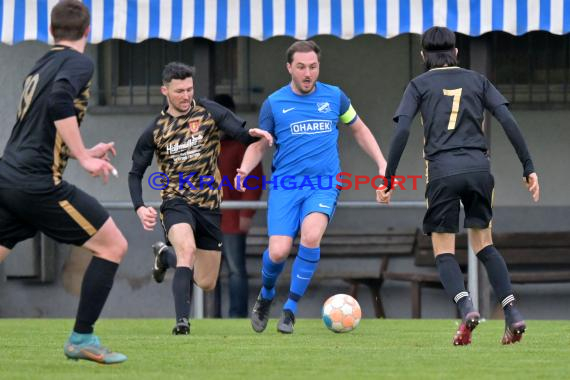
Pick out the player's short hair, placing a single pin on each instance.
(176, 70)
(438, 46)
(303, 47)
(226, 101)
(69, 20)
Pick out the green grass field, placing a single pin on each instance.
(229, 349)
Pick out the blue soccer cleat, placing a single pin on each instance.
(90, 348)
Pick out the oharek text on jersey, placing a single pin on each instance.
(309, 127)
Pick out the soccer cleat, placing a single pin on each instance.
(286, 322)
(463, 335)
(513, 333)
(514, 326)
(92, 350)
(182, 327)
(158, 269)
(260, 314)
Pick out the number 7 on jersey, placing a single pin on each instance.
(456, 93)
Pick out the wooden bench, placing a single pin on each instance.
(356, 257)
(538, 257)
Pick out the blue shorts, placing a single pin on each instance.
(286, 209)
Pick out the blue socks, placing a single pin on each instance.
(270, 271)
(77, 338)
(304, 267)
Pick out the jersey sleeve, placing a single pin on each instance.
(266, 120)
(224, 118)
(409, 104)
(492, 97)
(72, 77)
(77, 71)
(347, 113)
(228, 121)
(142, 158)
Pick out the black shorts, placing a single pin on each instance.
(204, 222)
(474, 190)
(64, 213)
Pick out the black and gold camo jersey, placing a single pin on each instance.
(35, 155)
(187, 149)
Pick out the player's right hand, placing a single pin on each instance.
(147, 215)
(383, 196)
(102, 150)
(240, 179)
(97, 167)
(260, 133)
(533, 186)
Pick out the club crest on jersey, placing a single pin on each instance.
(324, 107)
(194, 125)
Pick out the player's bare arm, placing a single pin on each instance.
(102, 150)
(256, 132)
(368, 144)
(397, 146)
(252, 157)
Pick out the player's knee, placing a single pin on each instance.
(279, 250)
(480, 238)
(185, 254)
(311, 240)
(206, 284)
(122, 247)
(279, 253)
(119, 248)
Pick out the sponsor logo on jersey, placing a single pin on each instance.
(311, 127)
(188, 144)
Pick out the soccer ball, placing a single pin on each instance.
(341, 313)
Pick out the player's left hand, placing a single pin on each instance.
(383, 196)
(239, 180)
(256, 132)
(102, 150)
(533, 186)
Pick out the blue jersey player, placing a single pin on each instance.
(303, 118)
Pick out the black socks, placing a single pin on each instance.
(97, 283)
(182, 291)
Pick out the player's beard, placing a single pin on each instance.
(178, 107)
(301, 86)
